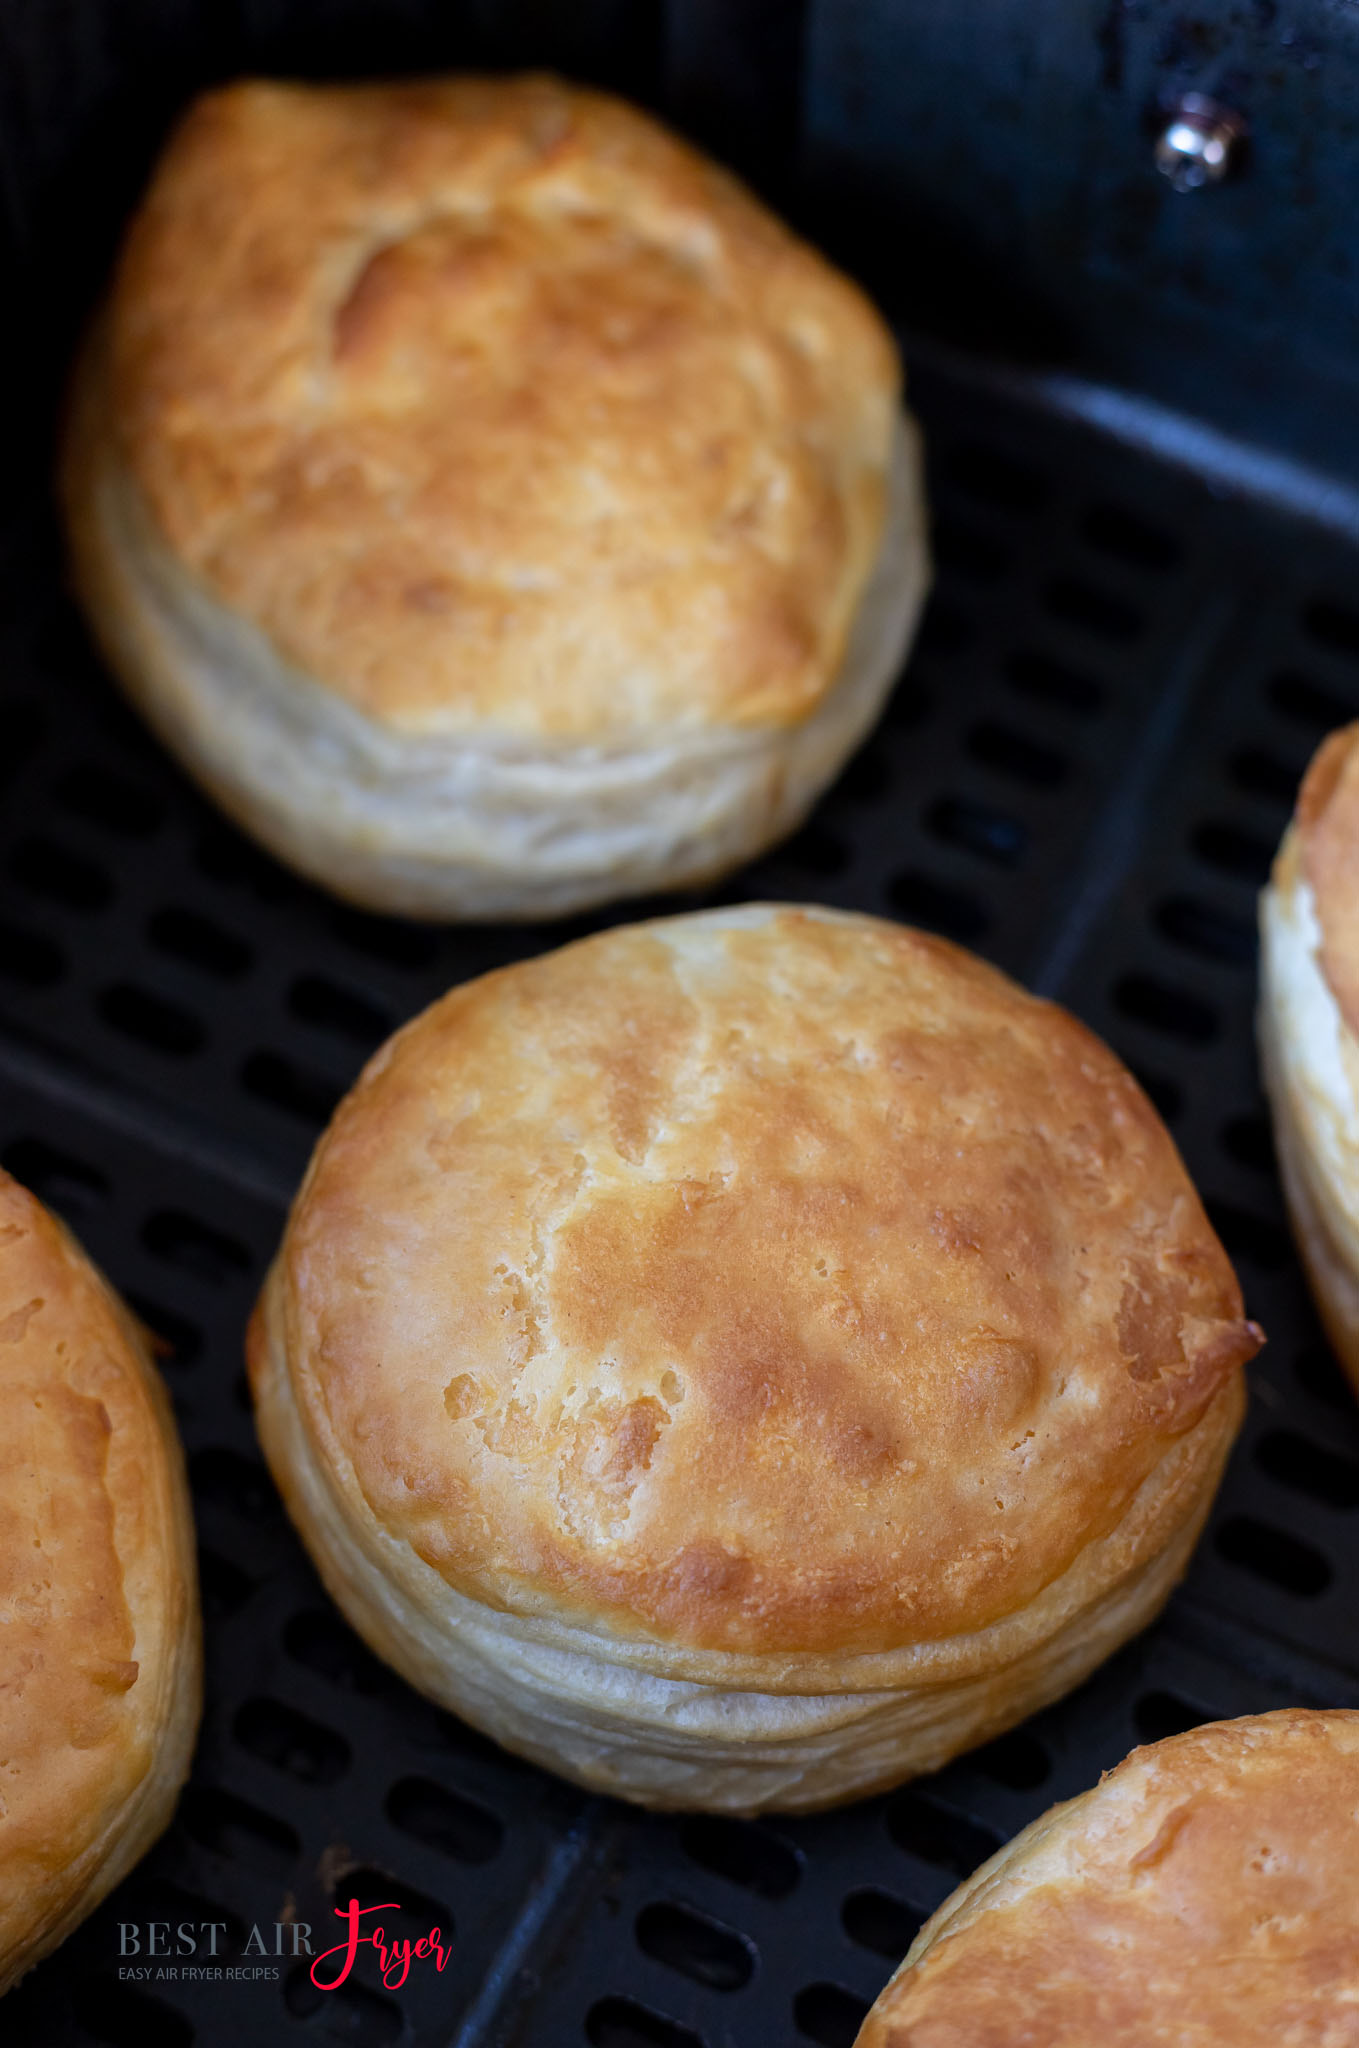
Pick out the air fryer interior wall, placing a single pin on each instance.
(1083, 775)
(987, 167)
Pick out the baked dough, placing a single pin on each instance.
(488, 500)
(744, 1359)
(100, 1651)
(1204, 1892)
(1309, 1030)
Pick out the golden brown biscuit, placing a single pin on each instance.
(743, 1359)
(100, 1652)
(482, 492)
(1309, 1030)
(1203, 1893)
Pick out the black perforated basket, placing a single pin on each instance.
(1083, 774)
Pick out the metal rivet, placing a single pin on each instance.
(1198, 143)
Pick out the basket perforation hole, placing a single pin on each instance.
(349, 2012)
(29, 958)
(1332, 625)
(421, 1916)
(1007, 752)
(1274, 1555)
(1262, 774)
(829, 2015)
(102, 797)
(1165, 1008)
(151, 1019)
(224, 1587)
(623, 2023)
(1166, 1096)
(1159, 1714)
(695, 1946)
(223, 1478)
(978, 829)
(1234, 852)
(995, 477)
(200, 942)
(69, 1185)
(285, 1084)
(1129, 538)
(922, 900)
(460, 1739)
(291, 1741)
(1318, 1375)
(1323, 1475)
(878, 1921)
(1046, 680)
(238, 1831)
(323, 1644)
(442, 1820)
(126, 2017)
(1254, 1238)
(46, 868)
(174, 1339)
(1249, 1140)
(938, 1835)
(159, 1899)
(742, 1852)
(1017, 1760)
(231, 860)
(816, 850)
(1202, 928)
(1307, 702)
(1092, 608)
(178, 1239)
(966, 551)
(317, 1000)
(385, 939)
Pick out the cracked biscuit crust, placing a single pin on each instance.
(99, 1646)
(1308, 1028)
(778, 1285)
(1203, 1892)
(497, 407)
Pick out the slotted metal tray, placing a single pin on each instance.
(1082, 773)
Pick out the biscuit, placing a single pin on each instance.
(1308, 1021)
(743, 1359)
(490, 502)
(1203, 1892)
(100, 1655)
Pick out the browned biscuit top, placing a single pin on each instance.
(766, 1280)
(492, 403)
(93, 1592)
(1327, 828)
(1204, 1892)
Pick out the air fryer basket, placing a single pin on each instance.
(1082, 773)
